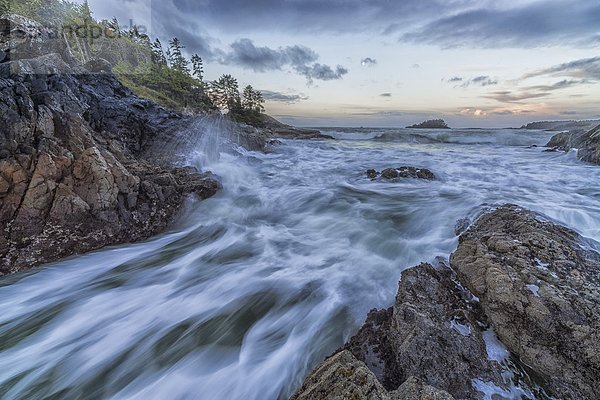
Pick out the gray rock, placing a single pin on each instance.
(342, 377)
(586, 142)
(540, 290)
(76, 172)
(430, 312)
(401, 173)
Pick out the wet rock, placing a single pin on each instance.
(402, 172)
(342, 376)
(586, 142)
(430, 312)
(461, 226)
(429, 344)
(76, 169)
(540, 289)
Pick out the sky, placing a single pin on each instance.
(389, 63)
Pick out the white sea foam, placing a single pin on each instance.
(255, 286)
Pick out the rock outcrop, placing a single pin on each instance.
(516, 275)
(540, 290)
(586, 142)
(342, 376)
(73, 177)
(402, 172)
(433, 336)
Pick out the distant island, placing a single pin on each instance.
(431, 124)
(562, 125)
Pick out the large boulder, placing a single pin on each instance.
(586, 142)
(431, 342)
(539, 286)
(402, 173)
(342, 376)
(430, 312)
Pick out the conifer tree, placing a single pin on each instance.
(253, 100)
(176, 59)
(158, 55)
(198, 67)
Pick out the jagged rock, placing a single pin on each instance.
(402, 172)
(430, 312)
(342, 376)
(372, 174)
(540, 289)
(429, 344)
(23, 38)
(76, 172)
(586, 142)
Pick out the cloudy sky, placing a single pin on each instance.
(393, 62)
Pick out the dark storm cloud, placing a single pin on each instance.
(307, 15)
(445, 23)
(537, 24)
(246, 54)
(321, 72)
(283, 97)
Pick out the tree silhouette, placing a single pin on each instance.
(253, 100)
(225, 93)
(198, 67)
(158, 55)
(176, 59)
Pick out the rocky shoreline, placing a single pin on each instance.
(587, 143)
(82, 160)
(517, 312)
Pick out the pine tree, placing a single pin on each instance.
(177, 60)
(86, 12)
(158, 55)
(225, 93)
(258, 101)
(253, 100)
(198, 67)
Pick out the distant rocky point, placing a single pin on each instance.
(431, 124)
(571, 125)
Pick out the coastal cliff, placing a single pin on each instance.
(82, 160)
(72, 175)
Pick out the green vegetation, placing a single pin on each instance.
(165, 76)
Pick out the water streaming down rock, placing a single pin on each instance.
(254, 287)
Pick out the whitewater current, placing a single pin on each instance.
(252, 288)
